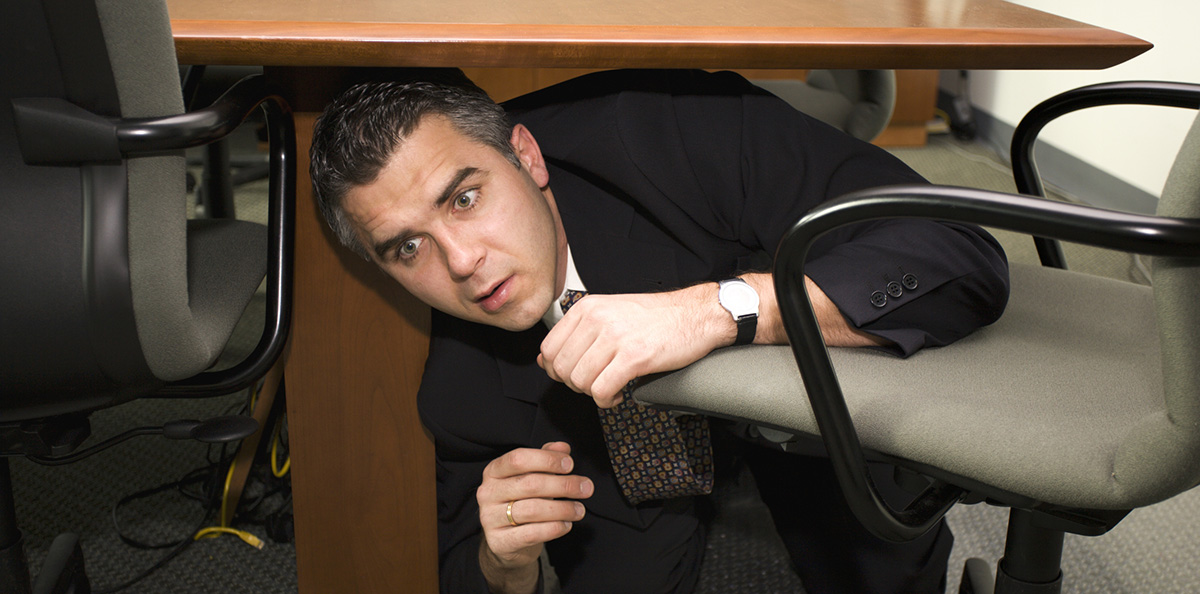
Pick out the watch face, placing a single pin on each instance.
(739, 298)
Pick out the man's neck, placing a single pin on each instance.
(571, 281)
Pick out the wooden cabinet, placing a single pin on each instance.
(916, 100)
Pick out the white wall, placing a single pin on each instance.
(1133, 143)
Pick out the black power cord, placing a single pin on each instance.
(200, 475)
(211, 482)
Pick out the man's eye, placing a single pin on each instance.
(466, 199)
(409, 248)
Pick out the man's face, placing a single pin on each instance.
(463, 229)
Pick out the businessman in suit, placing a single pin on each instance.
(646, 189)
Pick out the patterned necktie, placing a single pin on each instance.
(654, 454)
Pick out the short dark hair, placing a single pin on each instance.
(359, 132)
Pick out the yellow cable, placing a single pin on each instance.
(212, 531)
(225, 493)
(275, 469)
(254, 396)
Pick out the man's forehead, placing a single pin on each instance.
(426, 166)
(416, 161)
(433, 153)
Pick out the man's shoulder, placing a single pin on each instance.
(609, 85)
(617, 123)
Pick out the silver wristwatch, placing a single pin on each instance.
(741, 301)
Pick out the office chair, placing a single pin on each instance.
(1080, 404)
(857, 102)
(110, 293)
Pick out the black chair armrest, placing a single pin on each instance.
(53, 131)
(142, 136)
(237, 103)
(1025, 172)
(1144, 234)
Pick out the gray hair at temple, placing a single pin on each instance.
(359, 132)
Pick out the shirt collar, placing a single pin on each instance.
(555, 313)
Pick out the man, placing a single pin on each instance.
(645, 189)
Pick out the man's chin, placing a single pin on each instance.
(518, 327)
(513, 322)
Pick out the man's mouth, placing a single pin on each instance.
(493, 300)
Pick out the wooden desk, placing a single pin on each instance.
(363, 467)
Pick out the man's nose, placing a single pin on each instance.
(463, 256)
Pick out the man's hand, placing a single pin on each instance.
(605, 341)
(541, 492)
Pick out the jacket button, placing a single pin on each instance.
(878, 299)
(910, 281)
(893, 289)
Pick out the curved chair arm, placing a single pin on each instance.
(243, 97)
(1150, 235)
(1025, 172)
(54, 131)
(143, 136)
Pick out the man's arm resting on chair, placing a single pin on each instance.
(605, 341)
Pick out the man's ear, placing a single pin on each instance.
(530, 155)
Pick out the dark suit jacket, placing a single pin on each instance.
(665, 179)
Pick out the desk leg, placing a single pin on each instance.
(362, 465)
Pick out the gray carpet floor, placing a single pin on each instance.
(1153, 550)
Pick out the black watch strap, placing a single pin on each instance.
(747, 326)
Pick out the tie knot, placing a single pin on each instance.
(571, 297)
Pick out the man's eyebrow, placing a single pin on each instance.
(383, 248)
(451, 187)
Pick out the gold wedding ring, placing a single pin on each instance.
(511, 521)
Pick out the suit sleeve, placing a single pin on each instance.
(464, 442)
(757, 166)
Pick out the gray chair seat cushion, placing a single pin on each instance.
(227, 260)
(1040, 404)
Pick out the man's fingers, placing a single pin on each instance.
(575, 359)
(532, 486)
(582, 376)
(558, 335)
(525, 512)
(527, 498)
(517, 524)
(609, 389)
(528, 460)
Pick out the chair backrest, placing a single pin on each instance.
(1176, 284)
(47, 304)
(146, 74)
(94, 257)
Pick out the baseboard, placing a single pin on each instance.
(1064, 171)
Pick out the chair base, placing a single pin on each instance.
(62, 573)
(1032, 562)
(977, 579)
(14, 568)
